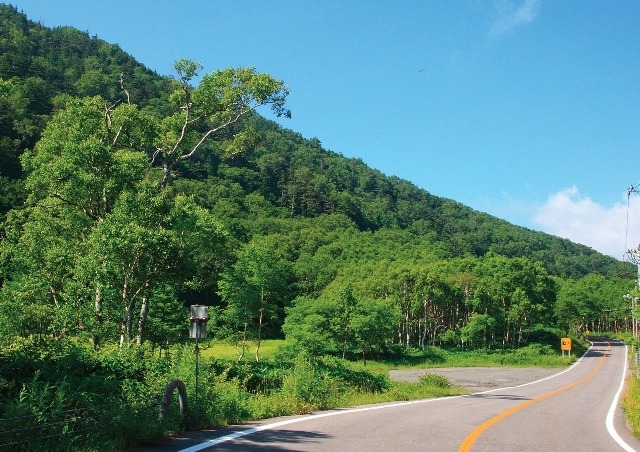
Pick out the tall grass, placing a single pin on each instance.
(631, 396)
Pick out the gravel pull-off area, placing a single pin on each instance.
(479, 379)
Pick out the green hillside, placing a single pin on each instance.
(296, 176)
(86, 134)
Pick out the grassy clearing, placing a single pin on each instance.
(533, 355)
(225, 350)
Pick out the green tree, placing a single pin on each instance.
(75, 174)
(133, 250)
(516, 293)
(309, 323)
(341, 320)
(479, 328)
(220, 100)
(256, 289)
(37, 256)
(373, 324)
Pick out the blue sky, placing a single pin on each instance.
(528, 110)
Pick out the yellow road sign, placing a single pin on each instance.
(565, 343)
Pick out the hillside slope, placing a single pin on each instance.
(284, 176)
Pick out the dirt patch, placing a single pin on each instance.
(479, 379)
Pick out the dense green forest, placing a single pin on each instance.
(126, 196)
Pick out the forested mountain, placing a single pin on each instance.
(296, 176)
(299, 178)
(258, 213)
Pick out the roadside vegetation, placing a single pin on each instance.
(631, 395)
(78, 398)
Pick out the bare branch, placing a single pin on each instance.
(107, 113)
(155, 154)
(214, 130)
(88, 212)
(124, 89)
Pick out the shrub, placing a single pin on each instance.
(309, 388)
(433, 380)
(362, 380)
(60, 391)
(223, 402)
(542, 334)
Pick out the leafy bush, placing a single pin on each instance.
(61, 391)
(224, 401)
(433, 380)
(362, 380)
(542, 334)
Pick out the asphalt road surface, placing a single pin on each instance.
(573, 410)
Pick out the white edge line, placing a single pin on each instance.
(250, 431)
(240, 434)
(614, 405)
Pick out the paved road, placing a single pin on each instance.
(479, 379)
(565, 412)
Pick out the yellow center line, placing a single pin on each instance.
(469, 440)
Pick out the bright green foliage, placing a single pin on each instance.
(308, 323)
(342, 323)
(478, 330)
(256, 289)
(132, 251)
(40, 251)
(516, 293)
(373, 325)
(76, 174)
(85, 161)
(593, 303)
(221, 99)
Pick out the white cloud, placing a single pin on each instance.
(578, 218)
(511, 16)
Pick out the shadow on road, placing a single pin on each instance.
(259, 441)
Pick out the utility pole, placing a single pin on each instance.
(633, 256)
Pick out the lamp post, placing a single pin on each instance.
(198, 330)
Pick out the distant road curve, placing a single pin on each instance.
(574, 410)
